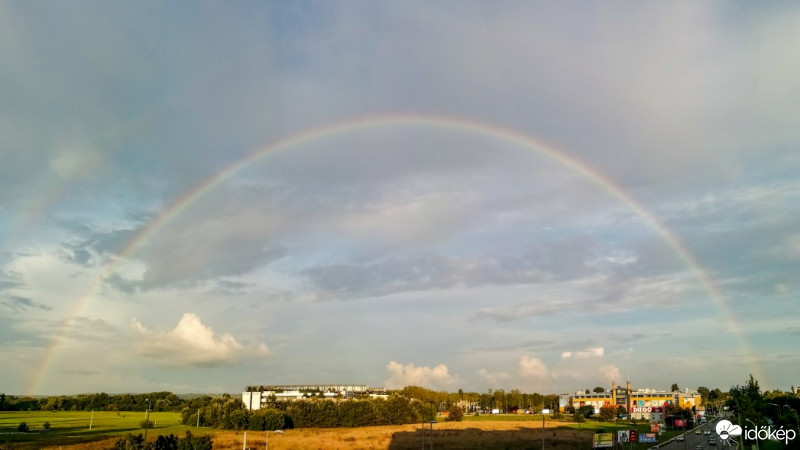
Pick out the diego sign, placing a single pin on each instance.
(646, 409)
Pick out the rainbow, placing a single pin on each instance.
(458, 124)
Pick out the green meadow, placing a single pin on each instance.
(73, 427)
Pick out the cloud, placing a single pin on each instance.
(493, 378)
(609, 372)
(17, 303)
(191, 343)
(596, 351)
(532, 367)
(410, 375)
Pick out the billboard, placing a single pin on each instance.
(680, 423)
(648, 438)
(654, 427)
(603, 440)
(626, 436)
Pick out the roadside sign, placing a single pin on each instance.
(647, 438)
(603, 440)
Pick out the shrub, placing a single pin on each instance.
(146, 424)
(129, 442)
(23, 427)
(46, 425)
(455, 415)
(166, 443)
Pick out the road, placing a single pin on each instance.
(692, 440)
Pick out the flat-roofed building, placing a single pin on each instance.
(257, 397)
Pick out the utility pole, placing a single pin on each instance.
(542, 428)
(147, 420)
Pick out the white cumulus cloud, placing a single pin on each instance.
(493, 378)
(595, 351)
(532, 367)
(191, 343)
(410, 375)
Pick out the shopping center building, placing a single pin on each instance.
(646, 404)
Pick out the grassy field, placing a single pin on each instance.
(71, 430)
(72, 427)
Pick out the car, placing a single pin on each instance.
(697, 431)
(707, 432)
(679, 438)
(712, 441)
(698, 447)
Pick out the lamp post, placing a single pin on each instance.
(543, 427)
(755, 428)
(795, 416)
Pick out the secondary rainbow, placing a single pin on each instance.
(459, 124)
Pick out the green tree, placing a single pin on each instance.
(704, 392)
(599, 389)
(675, 387)
(608, 412)
(585, 410)
(455, 414)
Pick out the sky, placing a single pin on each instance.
(544, 196)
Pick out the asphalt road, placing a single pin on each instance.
(692, 440)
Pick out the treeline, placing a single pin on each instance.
(155, 401)
(232, 414)
(505, 401)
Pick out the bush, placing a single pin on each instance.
(146, 424)
(455, 414)
(46, 425)
(166, 443)
(23, 427)
(129, 442)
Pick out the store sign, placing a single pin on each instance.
(654, 428)
(603, 440)
(646, 409)
(633, 436)
(648, 438)
(680, 422)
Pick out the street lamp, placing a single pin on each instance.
(795, 416)
(755, 428)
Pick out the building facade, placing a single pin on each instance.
(257, 397)
(643, 404)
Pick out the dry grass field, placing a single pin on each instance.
(447, 435)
